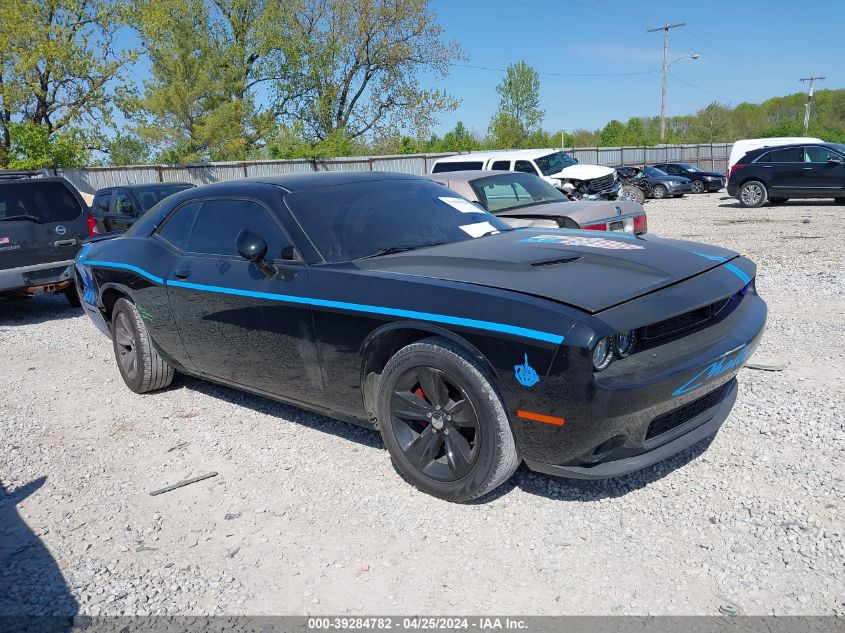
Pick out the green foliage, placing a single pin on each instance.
(33, 147)
(127, 149)
(519, 114)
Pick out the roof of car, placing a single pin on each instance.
(468, 175)
(143, 185)
(314, 180)
(771, 148)
(528, 154)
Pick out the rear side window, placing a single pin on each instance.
(440, 168)
(501, 164)
(123, 204)
(219, 221)
(102, 202)
(178, 227)
(46, 201)
(788, 155)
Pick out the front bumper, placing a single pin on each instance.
(36, 277)
(678, 189)
(697, 428)
(714, 185)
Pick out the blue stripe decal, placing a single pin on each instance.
(342, 305)
(134, 269)
(731, 267)
(585, 232)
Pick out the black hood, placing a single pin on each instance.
(590, 270)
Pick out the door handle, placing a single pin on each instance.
(181, 273)
(807, 168)
(60, 243)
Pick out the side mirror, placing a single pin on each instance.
(834, 161)
(253, 248)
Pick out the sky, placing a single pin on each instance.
(749, 50)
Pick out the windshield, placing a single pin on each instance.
(514, 190)
(151, 196)
(39, 201)
(690, 168)
(654, 172)
(553, 163)
(365, 218)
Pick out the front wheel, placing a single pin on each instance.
(140, 365)
(753, 194)
(630, 192)
(659, 192)
(443, 423)
(698, 186)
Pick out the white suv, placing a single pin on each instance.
(557, 167)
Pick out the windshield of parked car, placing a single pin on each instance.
(553, 163)
(151, 196)
(690, 168)
(36, 201)
(514, 190)
(364, 219)
(654, 172)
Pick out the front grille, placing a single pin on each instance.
(681, 322)
(601, 184)
(673, 419)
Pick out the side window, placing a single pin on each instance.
(102, 202)
(787, 155)
(123, 204)
(525, 167)
(178, 226)
(501, 164)
(219, 221)
(816, 154)
(674, 171)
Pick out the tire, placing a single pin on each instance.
(72, 296)
(753, 194)
(424, 381)
(698, 186)
(778, 200)
(659, 192)
(630, 192)
(140, 365)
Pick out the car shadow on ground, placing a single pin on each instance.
(794, 202)
(39, 309)
(346, 430)
(549, 486)
(33, 592)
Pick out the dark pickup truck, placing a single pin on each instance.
(43, 222)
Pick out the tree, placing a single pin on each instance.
(32, 146)
(207, 58)
(612, 134)
(354, 66)
(127, 148)
(519, 113)
(60, 65)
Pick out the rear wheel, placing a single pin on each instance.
(659, 191)
(140, 365)
(753, 194)
(698, 186)
(443, 422)
(630, 192)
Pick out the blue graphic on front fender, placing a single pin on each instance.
(716, 368)
(525, 374)
(89, 294)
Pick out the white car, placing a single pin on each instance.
(743, 146)
(555, 166)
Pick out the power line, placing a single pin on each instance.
(502, 70)
(692, 85)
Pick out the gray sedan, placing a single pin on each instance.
(524, 200)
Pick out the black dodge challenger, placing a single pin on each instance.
(389, 301)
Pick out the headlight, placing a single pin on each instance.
(624, 343)
(674, 183)
(602, 354)
(709, 178)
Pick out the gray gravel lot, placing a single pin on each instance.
(308, 516)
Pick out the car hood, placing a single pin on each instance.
(589, 270)
(582, 211)
(583, 172)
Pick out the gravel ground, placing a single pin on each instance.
(308, 516)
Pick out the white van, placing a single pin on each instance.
(555, 166)
(743, 146)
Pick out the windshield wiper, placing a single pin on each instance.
(401, 248)
(22, 216)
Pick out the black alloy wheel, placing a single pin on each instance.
(698, 186)
(435, 424)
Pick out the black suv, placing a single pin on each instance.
(117, 208)
(43, 222)
(775, 174)
(702, 181)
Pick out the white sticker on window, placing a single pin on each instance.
(478, 229)
(464, 206)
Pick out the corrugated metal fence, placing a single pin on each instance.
(708, 157)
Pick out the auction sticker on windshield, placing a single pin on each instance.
(464, 206)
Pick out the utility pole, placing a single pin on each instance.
(665, 28)
(811, 81)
